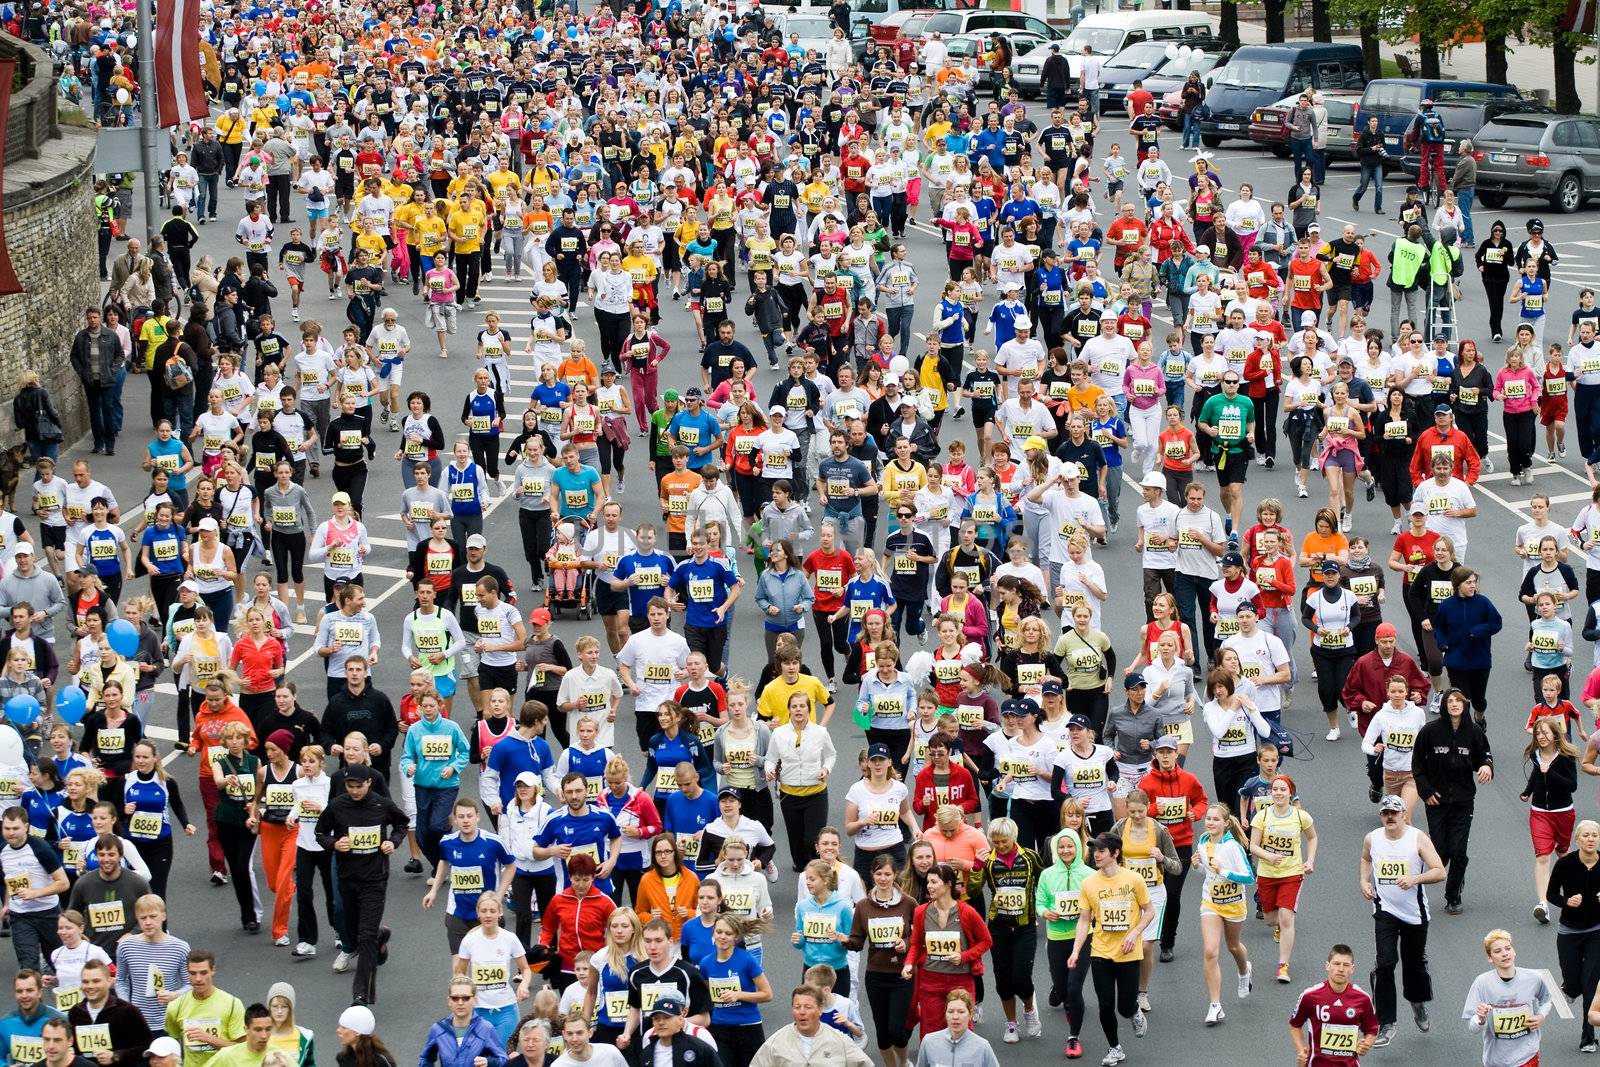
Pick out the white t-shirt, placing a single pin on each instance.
(489, 965)
(882, 810)
(1437, 499)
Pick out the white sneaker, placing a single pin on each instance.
(1301, 492)
(1012, 1037)
(306, 949)
(1144, 1002)
(1345, 523)
(772, 874)
(1031, 1024)
(1395, 529)
(342, 962)
(1114, 1055)
(1245, 980)
(622, 487)
(977, 1015)
(1141, 1025)
(1215, 1014)
(1353, 720)
(1332, 735)
(281, 942)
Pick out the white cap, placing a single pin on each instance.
(164, 1047)
(208, 523)
(359, 1017)
(1022, 322)
(528, 778)
(1153, 480)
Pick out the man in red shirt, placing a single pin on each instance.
(1308, 279)
(830, 570)
(1125, 234)
(1138, 97)
(853, 169)
(1260, 277)
(1443, 439)
(1340, 1015)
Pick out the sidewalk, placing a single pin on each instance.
(1529, 66)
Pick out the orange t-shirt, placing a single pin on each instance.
(1315, 544)
(675, 489)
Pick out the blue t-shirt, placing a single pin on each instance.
(103, 552)
(653, 569)
(575, 492)
(740, 965)
(474, 869)
(166, 547)
(838, 475)
(588, 832)
(512, 755)
(696, 431)
(1117, 428)
(173, 447)
(696, 939)
(861, 595)
(684, 816)
(703, 587)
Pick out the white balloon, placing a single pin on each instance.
(1197, 56)
(1185, 52)
(11, 753)
(1172, 51)
(123, 96)
(899, 365)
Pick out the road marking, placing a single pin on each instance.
(1559, 1000)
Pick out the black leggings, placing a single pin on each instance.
(889, 997)
(831, 636)
(158, 854)
(614, 327)
(739, 1044)
(1116, 985)
(1038, 821)
(1012, 958)
(308, 866)
(289, 556)
(611, 457)
(164, 588)
(486, 452)
(1170, 913)
(352, 480)
(535, 527)
(1228, 774)
(238, 848)
(1066, 983)
(1332, 670)
(1475, 684)
(526, 887)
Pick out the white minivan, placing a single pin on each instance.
(1108, 33)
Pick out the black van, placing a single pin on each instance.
(1261, 74)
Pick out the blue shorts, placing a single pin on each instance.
(315, 213)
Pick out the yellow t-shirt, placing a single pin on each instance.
(373, 244)
(640, 268)
(774, 701)
(405, 218)
(1113, 905)
(1284, 837)
(466, 230)
(430, 231)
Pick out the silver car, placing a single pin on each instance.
(1554, 157)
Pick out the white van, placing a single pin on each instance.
(1108, 33)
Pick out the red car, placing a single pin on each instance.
(1269, 126)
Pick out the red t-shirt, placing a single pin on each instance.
(829, 574)
(1337, 1020)
(1415, 549)
(256, 662)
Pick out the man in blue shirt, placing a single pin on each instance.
(521, 750)
(705, 587)
(687, 812)
(842, 480)
(643, 573)
(696, 429)
(576, 489)
(475, 863)
(20, 1030)
(1020, 207)
(580, 829)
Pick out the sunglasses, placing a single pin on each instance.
(456, 997)
(1230, 381)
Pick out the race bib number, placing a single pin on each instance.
(110, 915)
(1116, 916)
(490, 975)
(1338, 1039)
(95, 1037)
(437, 748)
(942, 942)
(365, 839)
(1508, 1022)
(1389, 872)
(466, 879)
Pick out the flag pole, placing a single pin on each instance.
(149, 119)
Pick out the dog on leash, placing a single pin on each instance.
(13, 461)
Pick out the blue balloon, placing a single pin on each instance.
(71, 705)
(123, 636)
(22, 709)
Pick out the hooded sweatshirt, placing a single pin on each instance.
(1059, 885)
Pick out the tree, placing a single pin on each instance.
(1321, 21)
(1547, 26)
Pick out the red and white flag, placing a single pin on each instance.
(180, 91)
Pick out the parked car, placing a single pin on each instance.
(976, 45)
(1108, 33)
(1396, 102)
(1269, 125)
(1259, 74)
(970, 20)
(1138, 63)
(1464, 119)
(1168, 87)
(886, 16)
(815, 31)
(1555, 157)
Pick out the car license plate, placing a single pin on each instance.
(1504, 157)
(1230, 126)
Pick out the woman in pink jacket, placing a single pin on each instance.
(965, 605)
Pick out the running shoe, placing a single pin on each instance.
(1141, 1025)
(1589, 1046)
(1332, 735)
(1114, 1055)
(1215, 1014)
(1031, 1024)
(342, 962)
(281, 942)
(1245, 980)
(1144, 1001)
(1012, 1037)
(1385, 1036)
(305, 949)
(1074, 1049)
(1541, 912)
(1283, 973)
(1301, 492)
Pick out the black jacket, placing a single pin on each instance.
(1446, 759)
(687, 1051)
(130, 1034)
(367, 864)
(1551, 789)
(206, 157)
(372, 713)
(1369, 146)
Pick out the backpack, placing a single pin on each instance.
(176, 374)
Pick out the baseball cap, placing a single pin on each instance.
(1153, 480)
(878, 751)
(1022, 322)
(694, 392)
(1328, 566)
(1165, 741)
(340, 498)
(1441, 409)
(1034, 441)
(208, 523)
(728, 791)
(1132, 681)
(477, 541)
(669, 1004)
(539, 616)
(1052, 687)
(164, 1046)
(1082, 722)
(528, 778)
(777, 409)
(1390, 802)
(1233, 559)
(1018, 706)
(1308, 319)
(359, 772)
(1419, 508)
(25, 549)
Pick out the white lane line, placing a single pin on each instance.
(1558, 1000)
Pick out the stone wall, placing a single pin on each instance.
(50, 234)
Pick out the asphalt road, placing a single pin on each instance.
(1499, 889)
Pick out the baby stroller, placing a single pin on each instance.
(568, 582)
